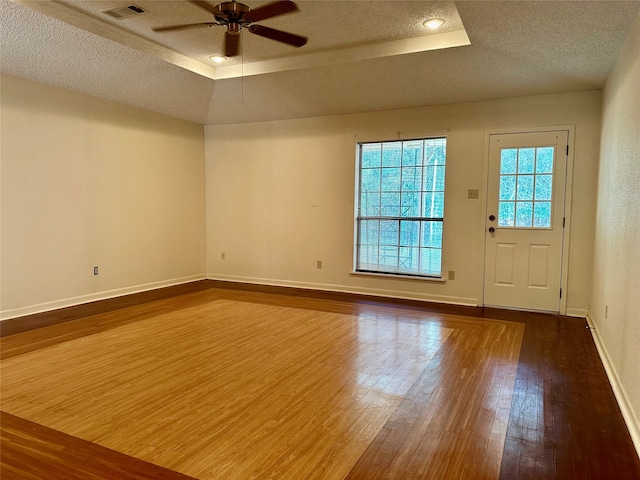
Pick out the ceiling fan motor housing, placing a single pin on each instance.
(230, 12)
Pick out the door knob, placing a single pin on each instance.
(492, 230)
(492, 217)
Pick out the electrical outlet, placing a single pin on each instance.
(318, 263)
(223, 256)
(95, 270)
(451, 275)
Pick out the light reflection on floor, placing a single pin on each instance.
(393, 352)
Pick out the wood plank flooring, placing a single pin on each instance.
(57, 451)
(235, 384)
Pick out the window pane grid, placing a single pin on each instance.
(526, 187)
(401, 207)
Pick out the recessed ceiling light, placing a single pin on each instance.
(217, 58)
(434, 23)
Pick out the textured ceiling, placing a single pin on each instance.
(328, 25)
(517, 48)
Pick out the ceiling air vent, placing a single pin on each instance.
(124, 12)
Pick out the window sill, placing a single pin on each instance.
(400, 276)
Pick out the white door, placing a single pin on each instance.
(525, 220)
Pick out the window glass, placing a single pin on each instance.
(508, 161)
(371, 155)
(392, 154)
(526, 187)
(506, 214)
(400, 205)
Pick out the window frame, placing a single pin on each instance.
(397, 271)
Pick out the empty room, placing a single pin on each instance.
(320, 239)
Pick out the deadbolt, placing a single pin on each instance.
(492, 217)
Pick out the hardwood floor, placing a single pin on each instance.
(238, 384)
(56, 452)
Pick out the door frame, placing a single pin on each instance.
(570, 129)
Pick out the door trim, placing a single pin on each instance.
(568, 195)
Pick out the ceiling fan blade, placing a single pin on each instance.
(278, 35)
(171, 28)
(204, 5)
(270, 10)
(231, 42)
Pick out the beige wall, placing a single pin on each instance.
(615, 305)
(87, 182)
(280, 195)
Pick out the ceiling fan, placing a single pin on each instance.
(236, 16)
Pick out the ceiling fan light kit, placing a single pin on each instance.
(237, 16)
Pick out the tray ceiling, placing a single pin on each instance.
(361, 55)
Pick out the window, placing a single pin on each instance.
(526, 187)
(400, 207)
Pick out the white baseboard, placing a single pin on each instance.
(628, 414)
(577, 312)
(470, 302)
(70, 302)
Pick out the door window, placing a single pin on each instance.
(526, 187)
